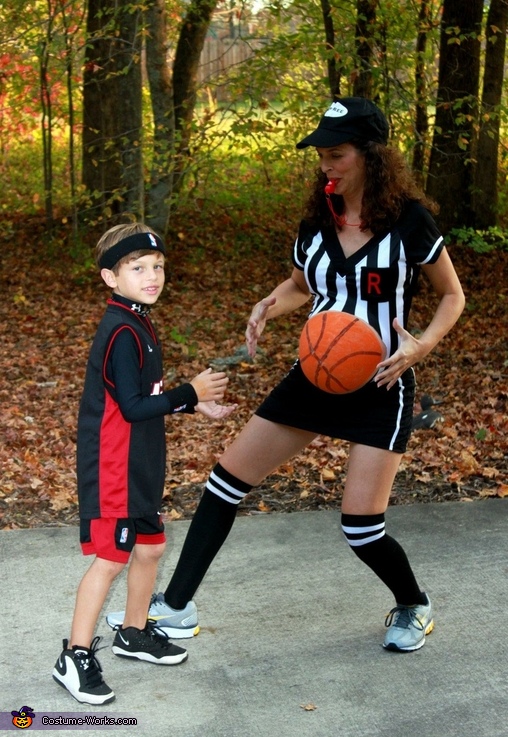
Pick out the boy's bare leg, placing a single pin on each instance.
(92, 592)
(141, 583)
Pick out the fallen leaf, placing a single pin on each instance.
(328, 474)
(502, 490)
(173, 514)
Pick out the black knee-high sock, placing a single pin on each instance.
(367, 538)
(208, 530)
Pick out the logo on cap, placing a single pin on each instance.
(336, 110)
(152, 240)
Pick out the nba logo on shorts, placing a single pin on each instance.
(123, 536)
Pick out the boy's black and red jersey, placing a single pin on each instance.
(121, 448)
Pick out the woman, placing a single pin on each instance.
(367, 233)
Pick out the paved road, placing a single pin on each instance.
(290, 619)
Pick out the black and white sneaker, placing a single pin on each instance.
(79, 671)
(150, 644)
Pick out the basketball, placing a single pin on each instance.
(339, 352)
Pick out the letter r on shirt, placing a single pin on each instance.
(377, 285)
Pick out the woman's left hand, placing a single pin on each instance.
(408, 353)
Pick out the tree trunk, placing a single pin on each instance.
(364, 42)
(486, 185)
(185, 70)
(46, 128)
(450, 179)
(112, 160)
(69, 77)
(172, 101)
(421, 115)
(161, 95)
(334, 70)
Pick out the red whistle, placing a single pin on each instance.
(330, 186)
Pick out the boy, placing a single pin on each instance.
(121, 461)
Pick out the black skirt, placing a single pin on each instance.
(370, 416)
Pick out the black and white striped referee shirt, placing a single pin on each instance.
(377, 283)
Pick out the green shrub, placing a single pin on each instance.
(480, 241)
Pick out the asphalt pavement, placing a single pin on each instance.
(291, 631)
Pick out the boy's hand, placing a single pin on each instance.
(210, 386)
(215, 411)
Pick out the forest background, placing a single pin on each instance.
(185, 114)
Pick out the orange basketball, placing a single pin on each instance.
(339, 352)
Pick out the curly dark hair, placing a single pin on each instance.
(389, 185)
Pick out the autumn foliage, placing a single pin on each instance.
(51, 305)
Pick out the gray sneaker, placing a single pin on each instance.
(178, 624)
(407, 627)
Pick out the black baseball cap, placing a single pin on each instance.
(347, 118)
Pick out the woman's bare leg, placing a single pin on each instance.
(261, 447)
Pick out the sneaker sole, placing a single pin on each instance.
(392, 647)
(165, 660)
(174, 633)
(85, 698)
(178, 633)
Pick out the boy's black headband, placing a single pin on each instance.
(136, 242)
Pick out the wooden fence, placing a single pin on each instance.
(219, 55)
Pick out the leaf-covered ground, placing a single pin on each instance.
(49, 310)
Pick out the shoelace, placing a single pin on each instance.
(89, 664)
(154, 632)
(407, 616)
(151, 630)
(153, 600)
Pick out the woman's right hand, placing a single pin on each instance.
(256, 324)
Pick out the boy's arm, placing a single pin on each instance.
(124, 372)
